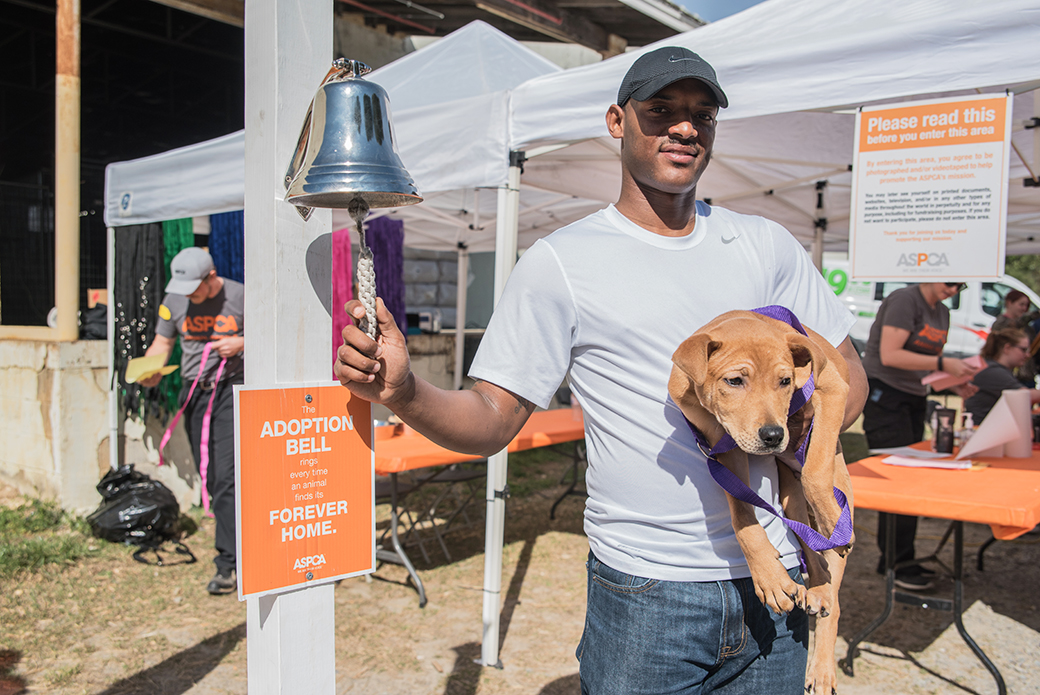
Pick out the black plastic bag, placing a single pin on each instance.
(137, 510)
(93, 323)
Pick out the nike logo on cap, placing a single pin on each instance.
(673, 59)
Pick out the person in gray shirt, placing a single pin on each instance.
(1004, 350)
(905, 344)
(206, 312)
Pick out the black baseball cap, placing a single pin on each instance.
(655, 70)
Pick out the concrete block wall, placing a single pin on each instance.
(54, 419)
(54, 431)
(140, 446)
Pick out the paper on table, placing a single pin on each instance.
(910, 452)
(1004, 432)
(1022, 446)
(940, 381)
(141, 368)
(926, 463)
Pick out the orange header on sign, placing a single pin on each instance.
(929, 125)
(305, 485)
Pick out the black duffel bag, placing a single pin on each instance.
(137, 510)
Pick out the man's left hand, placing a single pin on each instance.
(230, 346)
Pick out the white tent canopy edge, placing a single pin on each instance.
(794, 71)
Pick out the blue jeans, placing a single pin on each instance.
(647, 636)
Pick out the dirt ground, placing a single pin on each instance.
(108, 625)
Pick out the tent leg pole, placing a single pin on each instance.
(821, 224)
(494, 537)
(460, 314)
(497, 491)
(113, 382)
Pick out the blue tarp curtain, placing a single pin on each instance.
(226, 244)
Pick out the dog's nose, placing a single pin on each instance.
(771, 435)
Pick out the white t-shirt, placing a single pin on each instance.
(610, 302)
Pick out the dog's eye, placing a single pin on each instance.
(735, 381)
(786, 381)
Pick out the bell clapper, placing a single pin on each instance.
(366, 270)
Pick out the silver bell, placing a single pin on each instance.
(346, 156)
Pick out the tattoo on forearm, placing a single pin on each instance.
(521, 404)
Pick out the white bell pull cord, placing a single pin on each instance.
(366, 270)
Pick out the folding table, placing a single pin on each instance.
(400, 449)
(1005, 494)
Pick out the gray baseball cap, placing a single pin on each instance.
(655, 70)
(188, 269)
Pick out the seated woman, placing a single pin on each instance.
(1004, 350)
(1016, 308)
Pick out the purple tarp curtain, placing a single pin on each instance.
(386, 238)
(342, 290)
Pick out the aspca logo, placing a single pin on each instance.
(308, 563)
(916, 260)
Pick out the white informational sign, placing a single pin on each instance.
(929, 190)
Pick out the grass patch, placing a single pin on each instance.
(64, 676)
(854, 446)
(39, 533)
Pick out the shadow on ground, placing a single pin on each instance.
(465, 538)
(465, 674)
(568, 685)
(10, 684)
(183, 670)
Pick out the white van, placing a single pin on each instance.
(972, 310)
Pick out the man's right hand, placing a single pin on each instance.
(151, 381)
(377, 370)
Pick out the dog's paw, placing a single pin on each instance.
(778, 591)
(819, 682)
(818, 600)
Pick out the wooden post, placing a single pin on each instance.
(66, 169)
(288, 50)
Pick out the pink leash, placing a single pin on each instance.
(204, 442)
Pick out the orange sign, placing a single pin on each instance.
(304, 487)
(961, 122)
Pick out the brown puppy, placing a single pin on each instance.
(737, 375)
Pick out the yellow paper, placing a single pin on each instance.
(141, 368)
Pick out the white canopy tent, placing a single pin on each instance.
(449, 103)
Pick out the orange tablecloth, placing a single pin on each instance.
(1005, 494)
(408, 451)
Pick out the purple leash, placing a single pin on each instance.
(735, 486)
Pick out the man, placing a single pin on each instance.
(607, 300)
(206, 310)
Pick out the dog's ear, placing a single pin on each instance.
(807, 356)
(693, 354)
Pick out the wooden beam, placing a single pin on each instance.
(590, 4)
(549, 19)
(227, 11)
